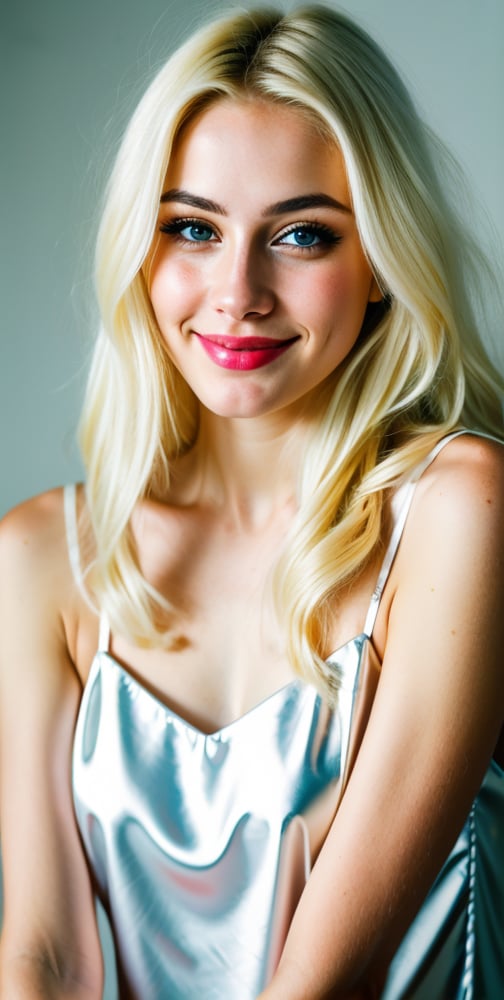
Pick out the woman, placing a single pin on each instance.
(274, 474)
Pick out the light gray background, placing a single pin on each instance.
(70, 74)
(71, 71)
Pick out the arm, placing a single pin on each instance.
(50, 946)
(433, 728)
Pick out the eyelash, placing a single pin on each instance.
(175, 228)
(326, 235)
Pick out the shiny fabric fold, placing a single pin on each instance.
(201, 844)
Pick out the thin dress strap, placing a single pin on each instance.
(104, 634)
(72, 537)
(401, 503)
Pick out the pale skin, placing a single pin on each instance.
(240, 270)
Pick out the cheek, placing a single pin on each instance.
(332, 298)
(172, 291)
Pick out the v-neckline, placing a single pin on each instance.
(216, 734)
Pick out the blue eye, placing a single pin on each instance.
(191, 230)
(301, 237)
(197, 232)
(308, 236)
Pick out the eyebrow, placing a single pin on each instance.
(277, 208)
(306, 201)
(194, 200)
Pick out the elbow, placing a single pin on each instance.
(39, 973)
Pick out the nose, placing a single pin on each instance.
(242, 285)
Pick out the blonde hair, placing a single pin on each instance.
(412, 376)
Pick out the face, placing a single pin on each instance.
(257, 277)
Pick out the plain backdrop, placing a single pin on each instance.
(71, 72)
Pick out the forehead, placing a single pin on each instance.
(264, 144)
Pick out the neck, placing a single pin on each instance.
(249, 467)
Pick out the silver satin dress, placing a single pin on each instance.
(200, 844)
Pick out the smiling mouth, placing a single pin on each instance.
(243, 353)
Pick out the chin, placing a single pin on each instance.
(242, 403)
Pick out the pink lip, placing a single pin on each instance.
(243, 353)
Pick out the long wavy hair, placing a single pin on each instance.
(417, 370)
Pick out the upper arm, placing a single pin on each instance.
(443, 669)
(434, 724)
(49, 910)
(440, 702)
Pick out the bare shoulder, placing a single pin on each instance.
(448, 579)
(36, 583)
(33, 541)
(462, 492)
(31, 520)
(471, 459)
(449, 573)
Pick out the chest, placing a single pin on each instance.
(232, 647)
(214, 830)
